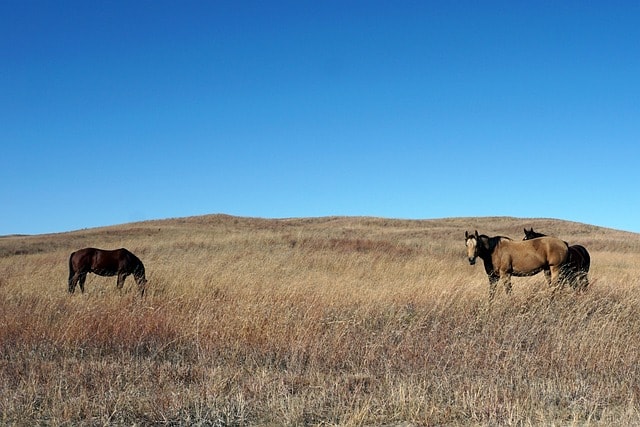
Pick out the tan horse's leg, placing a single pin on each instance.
(556, 281)
(506, 281)
(493, 282)
(547, 276)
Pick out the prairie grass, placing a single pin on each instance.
(327, 321)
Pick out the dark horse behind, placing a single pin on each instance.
(578, 262)
(102, 262)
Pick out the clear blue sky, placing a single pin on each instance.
(120, 111)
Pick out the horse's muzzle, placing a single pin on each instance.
(472, 261)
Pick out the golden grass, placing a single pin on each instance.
(328, 321)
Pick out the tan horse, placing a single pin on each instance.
(504, 258)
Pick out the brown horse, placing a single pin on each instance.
(504, 258)
(577, 265)
(102, 262)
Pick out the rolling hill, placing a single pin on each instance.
(310, 321)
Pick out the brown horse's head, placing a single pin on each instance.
(140, 278)
(142, 284)
(471, 241)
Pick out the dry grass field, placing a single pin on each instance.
(327, 321)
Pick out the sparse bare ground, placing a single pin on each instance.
(329, 321)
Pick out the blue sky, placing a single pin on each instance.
(121, 111)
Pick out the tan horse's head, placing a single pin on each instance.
(471, 241)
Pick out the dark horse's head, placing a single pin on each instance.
(530, 234)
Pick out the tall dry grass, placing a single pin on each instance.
(330, 321)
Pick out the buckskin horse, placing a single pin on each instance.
(102, 262)
(577, 265)
(504, 258)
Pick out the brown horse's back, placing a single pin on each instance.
(104, 262)
(108, 263)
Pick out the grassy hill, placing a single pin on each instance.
(333, 321)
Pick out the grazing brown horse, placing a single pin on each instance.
(102, 262)
(504, 258)
(577, 265)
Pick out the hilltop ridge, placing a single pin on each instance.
(357, 226)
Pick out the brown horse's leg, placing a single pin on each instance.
(82, 277)
(121, 278)
(73, 280)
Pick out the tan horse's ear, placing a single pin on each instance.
(477, 235)
(466, 234)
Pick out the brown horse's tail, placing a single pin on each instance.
(71, 271)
